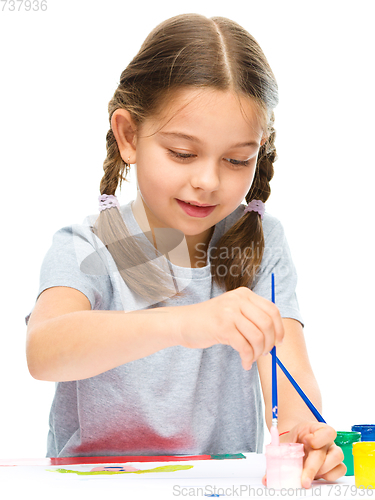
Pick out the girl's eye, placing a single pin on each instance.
(186, 156)
(181, 156)
(238, 162)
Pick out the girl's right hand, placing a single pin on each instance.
(240, 318)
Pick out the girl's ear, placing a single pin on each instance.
(264, 140)
(124, 131)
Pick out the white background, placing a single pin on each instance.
(60, 68)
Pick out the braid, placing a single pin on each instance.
(261, 190)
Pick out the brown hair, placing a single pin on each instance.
(191, 51)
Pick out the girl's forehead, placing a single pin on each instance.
(193, 106)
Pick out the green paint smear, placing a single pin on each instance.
(226, 456)
(165, 468)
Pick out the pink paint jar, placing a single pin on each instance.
(284, 465)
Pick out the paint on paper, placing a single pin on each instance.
(107, 471)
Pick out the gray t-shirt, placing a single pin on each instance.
(177, 400)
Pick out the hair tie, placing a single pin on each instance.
(256, 206)
(108, 201)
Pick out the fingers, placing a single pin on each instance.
(258, 323)
(335, 473)
(312, 464)
(247, 322)
(332, 465)
(252, 334)
(320, 435)
(322, 465)
(245, 349)
(271, 318)
(324, 459)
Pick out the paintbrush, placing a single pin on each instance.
(275, 360)
(274, 432)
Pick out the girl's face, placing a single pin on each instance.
(205, 152)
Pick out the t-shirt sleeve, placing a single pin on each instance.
(277, 259)
(62, 266)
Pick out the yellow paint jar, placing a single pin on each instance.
(364, 464)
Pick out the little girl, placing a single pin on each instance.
(154, 318)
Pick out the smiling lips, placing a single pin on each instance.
(194, 210)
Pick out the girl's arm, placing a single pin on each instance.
(323, 459)
(66, 340)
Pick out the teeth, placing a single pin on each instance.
(192, 204)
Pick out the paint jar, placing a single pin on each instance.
(284, 465)
(367, 432)
(345, 440)
(364, 464)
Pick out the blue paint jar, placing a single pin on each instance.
(367, 432)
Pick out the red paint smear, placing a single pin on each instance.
(143, 440)
(11, 462)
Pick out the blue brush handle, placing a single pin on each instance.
(274, 384)
(274, 372)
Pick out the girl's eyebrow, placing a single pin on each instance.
(192, 138)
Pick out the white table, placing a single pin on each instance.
(235, 478)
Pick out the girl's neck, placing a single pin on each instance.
(198, 248)
(197, 245)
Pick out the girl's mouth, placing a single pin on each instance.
(195, 211)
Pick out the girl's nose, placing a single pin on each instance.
(206, 176)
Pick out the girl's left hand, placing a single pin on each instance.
(323, 458)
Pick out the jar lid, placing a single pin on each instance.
(363, 428)
(364, 448)
(347, 437)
